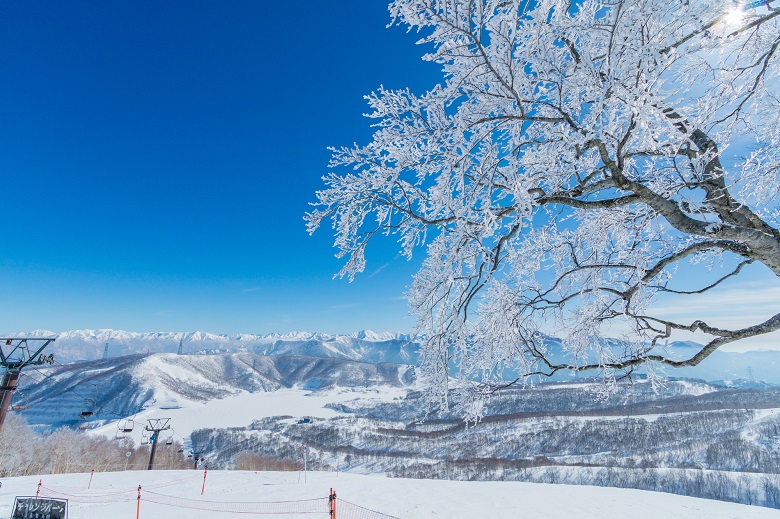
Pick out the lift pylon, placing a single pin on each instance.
(17, 353)
(156, 425)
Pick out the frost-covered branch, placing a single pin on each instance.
(575, 159)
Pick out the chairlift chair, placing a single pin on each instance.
(89, 405)
(127, 426)
(87, 408)
(120, 435)
(144, 439)
(20, 395)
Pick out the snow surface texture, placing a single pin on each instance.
(402, 498)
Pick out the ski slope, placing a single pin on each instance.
(240, 410)
(113, 495)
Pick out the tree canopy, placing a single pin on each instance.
(574, 155)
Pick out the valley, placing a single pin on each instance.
(250, 411)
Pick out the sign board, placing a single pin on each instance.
(41, 508)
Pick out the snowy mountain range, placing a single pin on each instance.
(118, 387)
(758, 366)
(364, 346)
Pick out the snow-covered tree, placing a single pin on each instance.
(576, 157)
(17, 447)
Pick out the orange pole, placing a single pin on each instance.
(332, 504)
(203, 488)
(90, 479)
(138, 506)
(40, 481)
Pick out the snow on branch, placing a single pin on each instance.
(575, 158)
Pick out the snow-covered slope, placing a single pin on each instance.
(222, 405)
(114, 495)
(119, 387)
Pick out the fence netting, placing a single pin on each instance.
(305, 506)
(345, 509)
(105, 495)
(89, 497)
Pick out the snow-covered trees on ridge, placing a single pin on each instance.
(23, 452)
(574, 157)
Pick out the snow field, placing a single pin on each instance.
(241, 410)
(402, 498)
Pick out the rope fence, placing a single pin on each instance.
(112, 497)
(347, 510)
(326, 507)
(305, 506)
(81, 495)
(174, 482)
(109, 490)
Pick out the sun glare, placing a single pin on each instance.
(734, 17)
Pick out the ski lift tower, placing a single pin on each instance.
(156, 425)
(15, 354)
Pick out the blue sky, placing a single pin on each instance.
(157, 159)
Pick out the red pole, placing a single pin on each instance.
(203, 488)
(138, 506)
(39, 488)
(90, 479)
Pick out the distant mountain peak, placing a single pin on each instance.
(368, 335)
(364, 346)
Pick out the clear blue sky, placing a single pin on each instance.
(157, 159)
